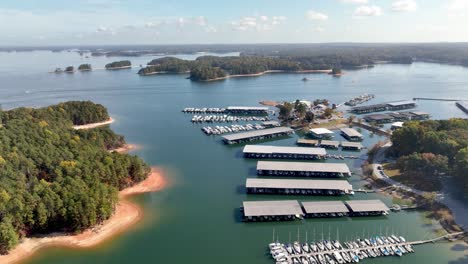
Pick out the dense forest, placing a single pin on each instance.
(70, 69)
(85, 67)
(118, 65)
(433, 148)
(55, 178)
(206, 73)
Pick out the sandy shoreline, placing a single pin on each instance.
(94, 125)
(126, 215)
(265, 72)
(126, 148)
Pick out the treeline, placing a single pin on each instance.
(118, 64)
(433, 148)
(54, 178)
(85, 67)
(206, 73)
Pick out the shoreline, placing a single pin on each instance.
(126, 148)
(263, 73)
(125, 216)
(94, 125)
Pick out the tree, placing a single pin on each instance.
(328, 113)
(285, 110)
(8, 236)
(301, 109)
(351, 119)
(309, 116)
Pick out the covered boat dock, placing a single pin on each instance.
(298, 187)
(351, 134)
(329, 144)
(351, 145)
(307, 142)
(271, 210)
(302, 169)
(277, 152)
(367, 207)
(257, 110)
(257, 135)
(325, 209)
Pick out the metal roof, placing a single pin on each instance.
(307, 141)
(351, 144)
(272, 208)
(271, 123)
(367, 206)
(258, 133)
(378, 116)
(397, 124)
(366, 107)
(303, 166)
(247, 108)
(419, 113)
(341, 185)
(399, 103)
(351, 132)
(325, 207)
(329, 143)
(320, 131)
(283, 150)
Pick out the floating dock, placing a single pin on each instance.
(298, 187)
(367, 207)
(325, 209)
(351, 145)
(307, 142)
(276, 152)
(257, 135)
(320, 133)
(391, 106)
(303, 169)
(351, 134)
(329, 144)
(463, 106)
(257, 110)
(397, 116)
(271, 210)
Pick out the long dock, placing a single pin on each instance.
(435, 99)
(463, 105)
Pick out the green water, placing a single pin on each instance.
(196, 219)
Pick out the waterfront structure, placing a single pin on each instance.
(307, 142)
(351, 134)
(257, 135)
(378, 118)
(418, 115)
(367, 207)
(325, 209)
(320, 133)
(391, 106)
(271, 210)
(396, 125)
(463, 105)
(298, 187)
(277, 152)
(258, 110)
(270, 124)
(303, 169)
(329, 144)
(351, 145)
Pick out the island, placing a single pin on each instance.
(54, 178)
(119, 65)
(69, 69)
(85, 67)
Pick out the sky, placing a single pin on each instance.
(104, 22)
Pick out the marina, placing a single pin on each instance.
(298, 187)
(356, 146)
(219, 130)
(367, 207)
(325, 209)
(391, 106)
(307, 142)
(397, 116)
(302, 169)
(225, 118)
(320, 133)
(271, 210)
(276, 152)
(257, 135)
(243, 110)
(359, 99)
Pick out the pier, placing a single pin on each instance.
(257, 135)
(435, 99)
(391, 106)
(303, 169)
(276, 152)
(298, 187)
(463, 106)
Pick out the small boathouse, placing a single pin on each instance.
(367, 207)
(321, 133)
(351, 145)
(351, 134)
(257, 135)
(277, 152)
(271, 210)
(302, 169)
(307, 142)
(298, 187)
(329, 144)
(325, 209)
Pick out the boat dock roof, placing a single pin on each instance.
(303, 166)
(323, 207)
(320, 131)
(329, 143)
(341, 185)
(356, 145)
(351, 132)
(367, 206)
(307, 141)
(247, 108)
(400, 103)
(272, 208)
(262, 149)
(258, 133)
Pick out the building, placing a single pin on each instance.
(329, 144)
(321, 133)
(418, 115)
(302, 169)
(270, 124)
(257, 135)
(393, 106)
(396, 125)
(253, 211)
(277, 152)
(351, 134)
(298, 187)
(398, 116)
(369, 108)
(367, 207)
(243, 110)
(325, 209)
(307, 142)
(378, 118)
(351, 145)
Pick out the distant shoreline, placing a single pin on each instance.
(263, 73)
(126, 215)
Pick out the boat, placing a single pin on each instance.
(329, 259)
(346, 257)
(321, 259)
(314, 247)
(368, 242)
(306, 248)
(297, 247)
(296, 261)
(328, 244)
(396, 239)
(354, 257)
(289, 249)
(402, 239)
(337, 244)
(304, 260)
(320, 246)
(402, 249)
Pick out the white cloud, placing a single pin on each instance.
(367, 11)
(457, 5)
(355, 1)
(314, 15)
(259, 23)
(404, 6)
(319, 29)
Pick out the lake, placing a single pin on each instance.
(196, 219)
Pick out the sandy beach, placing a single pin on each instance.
(93, 125)
(126, 148)
(126, 215)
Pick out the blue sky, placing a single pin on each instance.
(59, 22)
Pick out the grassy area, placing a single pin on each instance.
(402, 201)
(335, 123)
(390, 170)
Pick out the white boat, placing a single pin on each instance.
(346, 257)
(402, 239)
(304, 260)
(297, 247)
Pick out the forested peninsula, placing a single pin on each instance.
(54, 178)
